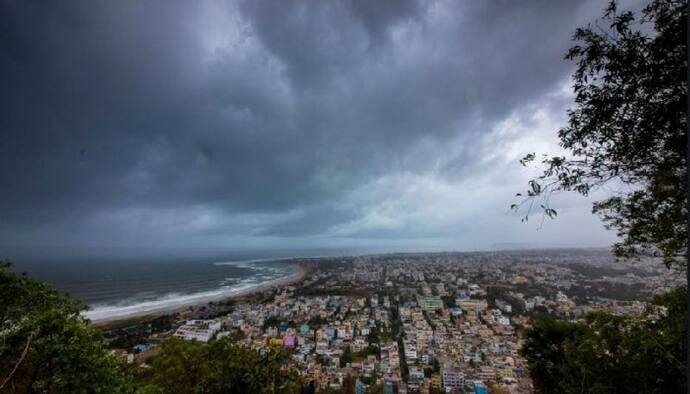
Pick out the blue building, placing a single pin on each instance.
(142, 346)
(360, 388)
(305, 329)
(479, 388)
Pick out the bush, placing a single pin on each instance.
(612, 354)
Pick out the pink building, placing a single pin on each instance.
(289, 341)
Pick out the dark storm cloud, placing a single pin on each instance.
(282, 110)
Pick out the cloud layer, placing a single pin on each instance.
(221, 125)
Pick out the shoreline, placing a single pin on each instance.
(154, 312)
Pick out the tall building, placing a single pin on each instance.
(453, 379)
(429, 303)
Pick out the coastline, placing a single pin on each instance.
(154, 312)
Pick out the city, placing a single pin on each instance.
(344, 197)
(399, 323)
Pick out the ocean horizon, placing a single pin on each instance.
(127, 287)
(124, 287)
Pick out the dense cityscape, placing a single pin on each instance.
(399, 323)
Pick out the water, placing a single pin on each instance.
(119, 288)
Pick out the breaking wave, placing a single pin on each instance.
(228, 287)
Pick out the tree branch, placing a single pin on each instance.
(21, 359)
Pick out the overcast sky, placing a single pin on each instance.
(145, 126)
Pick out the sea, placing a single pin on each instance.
(115, 288)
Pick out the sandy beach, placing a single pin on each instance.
(122, 313)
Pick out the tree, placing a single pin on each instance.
(612, 354)
(347, 357)
(371, 350)
(449, 300)
(47, 346)
(218, 367)
(349, 385)
(495, 388)
(375, 389)
(629, 128)
(271, 321)
(373, 337)
(545, 353)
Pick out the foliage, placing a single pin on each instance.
(218, 367)
(612, 354)
(628, 129)
(271, 321)
(347, 357)
(371, 350)
(403, 361)
(317, 321)
(375, 389)
(45, 344)
(449, 300)
(495, 388)
(349, 383)
(373, 337)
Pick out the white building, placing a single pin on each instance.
(198, 330)
(410, 352)
(504, 306)
(453, 379)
